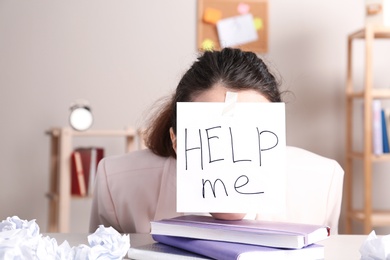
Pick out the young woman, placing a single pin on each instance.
(133, 189)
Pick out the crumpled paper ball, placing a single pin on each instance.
(20, 239)
(375, 248)
(108, 242)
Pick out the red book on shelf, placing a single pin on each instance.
(90, 158)
(78, 179)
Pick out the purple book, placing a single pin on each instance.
(246, 231)
(230, 251)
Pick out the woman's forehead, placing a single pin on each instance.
(218, 92)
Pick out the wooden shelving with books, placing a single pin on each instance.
(61, 149)
(368, 216)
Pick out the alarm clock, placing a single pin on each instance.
(80, 117)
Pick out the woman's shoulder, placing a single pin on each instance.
(300, 154)
(133, 162)
(304, 159)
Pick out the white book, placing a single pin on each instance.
(377, 140)
(92, 171)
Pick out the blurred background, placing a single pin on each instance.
(124, 55)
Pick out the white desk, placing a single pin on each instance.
(342, 247)
(338, 247)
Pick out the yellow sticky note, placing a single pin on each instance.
(212, 15)
(258, 23)
(208, 45)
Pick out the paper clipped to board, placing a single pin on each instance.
(230, 162)
(236, 30)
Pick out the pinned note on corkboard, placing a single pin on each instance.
(233, 23)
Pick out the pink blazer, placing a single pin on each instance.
(135, 188)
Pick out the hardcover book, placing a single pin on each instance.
(159, 251)
(233, 251)
(385, 138)
(377, 138)
(255, 232)
(78, 175)
(83, 166)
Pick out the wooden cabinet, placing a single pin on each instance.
(60, 176)
(368, 216)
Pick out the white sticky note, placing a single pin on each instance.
(236, 30)
(231, 164)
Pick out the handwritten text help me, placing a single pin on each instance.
(221, 159)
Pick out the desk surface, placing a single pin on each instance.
(343, 246)
(336, 247)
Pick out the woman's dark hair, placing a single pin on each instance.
(231, 68)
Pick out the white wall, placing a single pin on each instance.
(122, 55)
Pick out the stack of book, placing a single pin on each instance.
(209, 238)
(84, 163)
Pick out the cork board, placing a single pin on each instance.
(212, 12)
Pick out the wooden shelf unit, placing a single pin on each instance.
(60, 176)
(367, 216)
